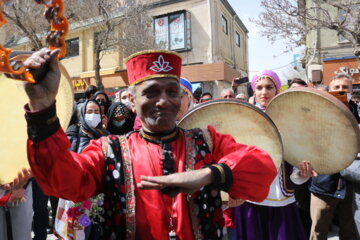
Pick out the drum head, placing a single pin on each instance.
(317, 127)
(246, 123)
(13, 125)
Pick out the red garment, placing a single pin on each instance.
(76, 177)
(4, 199)
(137, 124)
(229, 217)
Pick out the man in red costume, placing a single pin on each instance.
(160, 182)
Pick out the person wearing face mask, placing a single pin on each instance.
(124, 98)
(277, 217)
(104, 101)
(90, 127)
(121, 119)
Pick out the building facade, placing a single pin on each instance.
(209, 36)
(329, 53)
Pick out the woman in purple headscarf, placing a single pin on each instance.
(276, 218)
(265, 84)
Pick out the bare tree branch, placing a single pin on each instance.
(119, 25)
(292, 20)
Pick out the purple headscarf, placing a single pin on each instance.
(271, 75)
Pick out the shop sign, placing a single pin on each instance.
(79, 83)
(347, 70)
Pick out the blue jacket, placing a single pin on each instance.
(333, 185)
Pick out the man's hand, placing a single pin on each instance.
(185, 182)
(23, 176)
(230, 202)
(17, 197)
(42, 95)
(234, 85)
(306, 170)
(105, 121)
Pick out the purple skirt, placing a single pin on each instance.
(255, 222)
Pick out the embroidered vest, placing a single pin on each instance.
(286, 185)
(119, 202)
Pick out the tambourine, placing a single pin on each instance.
(56, 39)
(245, 122)
(317, 127)
(13, 125)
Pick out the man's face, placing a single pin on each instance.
(157, 103)
(227, 94)
(341, 84)
(124, 95)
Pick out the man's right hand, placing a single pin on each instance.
(22, 178)
(234, 84)
(42, 95)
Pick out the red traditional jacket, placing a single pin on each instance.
(144, 214)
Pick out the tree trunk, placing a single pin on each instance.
(97, 68)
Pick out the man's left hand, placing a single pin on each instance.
(185, 182)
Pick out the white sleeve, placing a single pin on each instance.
(296, 178)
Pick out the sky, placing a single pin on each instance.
(263, 54)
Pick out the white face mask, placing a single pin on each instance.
(126, 102)
(92, 119)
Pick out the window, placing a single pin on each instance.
(173, 31)
(72, 47)
(237, 39)
(224, 24)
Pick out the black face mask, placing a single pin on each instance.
(118, 124)
(102, 102)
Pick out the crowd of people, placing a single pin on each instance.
(123, 170)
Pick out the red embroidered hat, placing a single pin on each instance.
(151, 64)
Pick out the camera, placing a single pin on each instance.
(241, 80)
